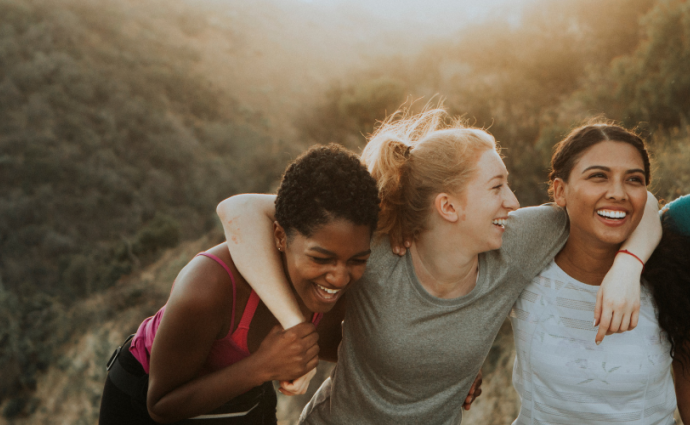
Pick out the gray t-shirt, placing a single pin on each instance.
(408, 357)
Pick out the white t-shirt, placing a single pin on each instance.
(563, 377)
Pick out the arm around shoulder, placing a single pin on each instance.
(618, 300)
(247, 221)
(533, 237)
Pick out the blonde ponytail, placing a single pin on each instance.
(413, 158)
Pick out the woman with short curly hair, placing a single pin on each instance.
(211, 352)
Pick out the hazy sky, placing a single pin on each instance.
(441, 15)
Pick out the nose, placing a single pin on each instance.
(616, 190)
(339, 276)
(510, 202)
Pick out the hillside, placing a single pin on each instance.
(70, 387)
(123, 123)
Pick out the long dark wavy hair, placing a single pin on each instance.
(667, 275)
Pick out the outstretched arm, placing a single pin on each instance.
(618, 300)
(248, 224)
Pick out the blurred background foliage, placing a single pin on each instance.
(123, 124)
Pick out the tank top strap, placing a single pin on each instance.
(249, 310)
(232, 279)
(239, 337)
(316, 318)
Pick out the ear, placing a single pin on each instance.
(447, 207)
(559, 192)
(279, 236)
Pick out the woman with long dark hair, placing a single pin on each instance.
(599, 176)
(667, 277)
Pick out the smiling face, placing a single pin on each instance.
(486, 202)
(605, 194)
(322, 266)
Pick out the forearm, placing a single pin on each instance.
(208, 392)
(618, 299)
(682, 384)
(643, 241)
(248, 225)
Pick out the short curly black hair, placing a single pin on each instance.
(325, 183)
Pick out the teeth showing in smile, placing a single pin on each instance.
(500, 221)
(330, 291)
(612, 214)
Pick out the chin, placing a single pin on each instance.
(614, 238)
(495, 244)
(321, 307)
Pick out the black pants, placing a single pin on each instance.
(119, 408)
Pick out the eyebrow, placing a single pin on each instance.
(498, 176)
(327, 252)
(601, 167)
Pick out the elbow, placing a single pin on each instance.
(156, 415)
(159, 410)
(227, 205)
(159, 415)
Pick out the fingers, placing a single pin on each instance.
(398, 250)
(634, 318)
(616, 322)
(294, 387)
(284, 385)
(299, 385)
(311, 339)
(290, 353)
(470, 399)
(400, 246)
(625, 323)
(312, 363)
(598, 307)
(304, 383)
(303, 330)
(604, 324)
(475, 391)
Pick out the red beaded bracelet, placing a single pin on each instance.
(625, 251)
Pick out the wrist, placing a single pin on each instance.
(293, 320)
(628, 263)
(259, 369)
(630, 256)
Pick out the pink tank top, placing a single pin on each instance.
(224, 352)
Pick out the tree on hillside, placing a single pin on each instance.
(652, 84)
(112, 148)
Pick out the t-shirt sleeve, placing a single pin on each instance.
(533, 237)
